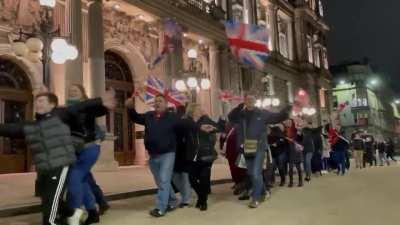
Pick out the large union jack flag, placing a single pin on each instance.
(248, 42)
(155, 86)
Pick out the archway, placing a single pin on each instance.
(119, 77)
(15, 106)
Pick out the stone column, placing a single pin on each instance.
(106, 161)
(215, 78)
(74, 68)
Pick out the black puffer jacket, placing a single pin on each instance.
(69, 117)
(51, 144)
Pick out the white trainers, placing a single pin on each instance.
(76, 217)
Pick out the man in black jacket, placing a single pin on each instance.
(160, 141)
(52, 145)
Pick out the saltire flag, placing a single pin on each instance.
(248, 43)
(172, 33)
(155, 86)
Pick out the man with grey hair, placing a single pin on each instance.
(252, 139)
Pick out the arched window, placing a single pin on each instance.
(12, 76)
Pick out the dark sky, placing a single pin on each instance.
(366, 28)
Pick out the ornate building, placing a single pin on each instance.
(118, 39)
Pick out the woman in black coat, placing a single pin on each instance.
(295, 154)
(200, 139)
(278, 146)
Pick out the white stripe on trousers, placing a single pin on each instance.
(56, 198)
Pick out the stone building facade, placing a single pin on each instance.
(118, 39)
(372, 105)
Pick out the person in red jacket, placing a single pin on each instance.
(229, 150)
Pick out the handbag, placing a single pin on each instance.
(298, 147)
(241, 162)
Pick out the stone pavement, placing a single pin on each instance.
(364, 197)
(17, 190)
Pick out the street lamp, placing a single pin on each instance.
(397, 101)
(44, 44)
(268, 102)
(374, 82)
(192, 82)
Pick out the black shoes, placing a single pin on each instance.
(308, 179)
(93, 217)
(103, 208)
(183, 205)
(157, 213)
(244, 197)
(203, 207)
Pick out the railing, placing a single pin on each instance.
(200, 6)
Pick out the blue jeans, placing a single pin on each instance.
(96, 190)
(307, 163)
(181, 181)
(341, 161)
(254, 170)
(161, 167)
(325, 164)
(79, 190)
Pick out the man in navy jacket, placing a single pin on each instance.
(160, 142)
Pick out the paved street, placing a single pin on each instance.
(365, 197)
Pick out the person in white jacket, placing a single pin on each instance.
(326, 149)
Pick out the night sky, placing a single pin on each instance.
(366, 28)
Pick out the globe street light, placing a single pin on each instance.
(44, 43)
(192, 83)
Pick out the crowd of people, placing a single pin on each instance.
(181, 143)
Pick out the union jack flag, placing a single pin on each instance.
(172, 33)
(155, 86)
(248, 42)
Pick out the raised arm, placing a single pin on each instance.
(12, 130)
(236, 114)
(92, 106)
(274, 118)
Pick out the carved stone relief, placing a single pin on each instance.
(19, 13)
(132, 30)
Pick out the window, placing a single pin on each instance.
(317, 61)
(283, 45)
(322, 97)
(312, 5)
(290, 91)
(325, 58)
(310, 49)
(283, 29)
(261, 14)
(321, 8)
(317, 51)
